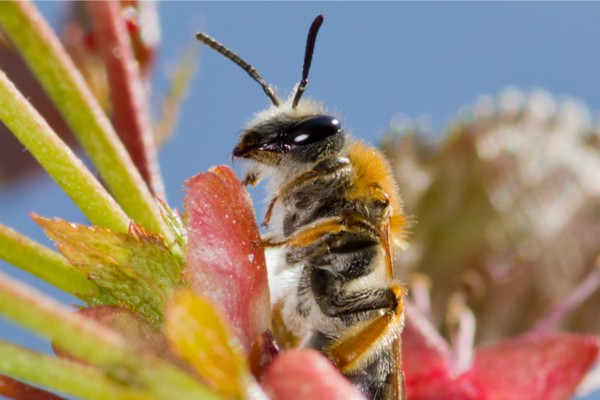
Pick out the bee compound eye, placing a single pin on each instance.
(312, 129)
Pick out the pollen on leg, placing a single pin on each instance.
(357, 346)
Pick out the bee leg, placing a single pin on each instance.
(310, 235)
(326, 229)
(354, 352)
(364, 355)
(251, 179)
(326, 177)
(334, 301)
(354, 348)
(267, 218)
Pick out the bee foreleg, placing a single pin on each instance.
(267, 218)
(328, 173)
(326, 177)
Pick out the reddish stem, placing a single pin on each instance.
(17, 390)
(131, 117)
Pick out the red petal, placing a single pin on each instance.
(534, 366)
(427, 366)
(446, 388)
(425, 353)
(307, 374)
(225, 261)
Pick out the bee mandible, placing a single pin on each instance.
(336, 216)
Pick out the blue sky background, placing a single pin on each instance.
(372, 63)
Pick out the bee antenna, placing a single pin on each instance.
(240, 62)
(310, 47)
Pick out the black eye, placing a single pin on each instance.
(312, 129)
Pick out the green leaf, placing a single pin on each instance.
(137, 268)
(175, 223)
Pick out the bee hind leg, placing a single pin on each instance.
(361, 342)
(368, 352)
(376, 380)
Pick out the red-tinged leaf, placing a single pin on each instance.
(307, 374)
(136, 268)
(138, 331)
(225, 261)
(16, 390)
(535, 367)
(199, 336)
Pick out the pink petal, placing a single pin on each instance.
(225, 261)
(427, 365)
(446, 388)
(535, 366)
(425, 354)
(307, 374)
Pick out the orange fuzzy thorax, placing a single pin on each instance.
(372, 169)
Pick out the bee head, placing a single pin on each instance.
(300, 132)
(298, 135)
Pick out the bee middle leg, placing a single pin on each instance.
(324, 229)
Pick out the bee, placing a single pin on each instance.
(336, 216)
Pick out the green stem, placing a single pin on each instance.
(69, 377)
(91, 342)
(46, 57)
(46, 264)
(58, 159)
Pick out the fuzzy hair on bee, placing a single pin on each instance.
(335, 218)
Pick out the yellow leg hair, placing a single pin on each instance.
(354, 349)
